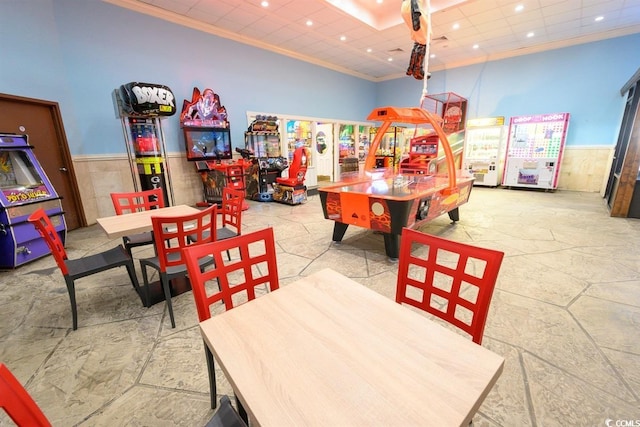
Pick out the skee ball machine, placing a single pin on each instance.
(24, 188)
(141, 106)
(385, 201)
(207, 138)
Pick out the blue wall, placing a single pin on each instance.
(77, 52)
(584, 80)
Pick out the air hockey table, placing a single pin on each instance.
(385, 201)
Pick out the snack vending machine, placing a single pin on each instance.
(534, 150)
(483, 150)
(24, 188)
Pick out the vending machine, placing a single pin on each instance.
(484, 150)
(141, 106)
(24, 188)
(534, 150)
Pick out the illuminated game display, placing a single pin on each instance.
(24, 188)
(534, 150)
(207, 139)
(385, 201)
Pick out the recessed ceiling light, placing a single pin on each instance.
(599, 18)
(531, 34)
(433, 55)
(519, 8)
(264, 4)
(390, 59)
(476, 46)
(309, 22)
(343, 38)
(369, 50)
(456, 26)
(379, 1)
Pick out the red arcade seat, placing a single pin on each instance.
(297, 169)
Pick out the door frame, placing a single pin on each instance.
(63, 146)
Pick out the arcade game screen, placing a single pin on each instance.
(208, 143)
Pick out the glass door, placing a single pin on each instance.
(324, 151)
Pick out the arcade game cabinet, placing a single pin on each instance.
(24, 188)
(207, 139)
(263, 140)
(141, 107)
(292, 190)
(385, 201)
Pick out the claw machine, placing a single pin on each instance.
(483, 150)
(534, 150)
(24, 188)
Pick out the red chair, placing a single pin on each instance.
(73, 269)
(17, 403)
(170, 261)
(453, 281)
(256, 267)
(231, 211)
(297, 168)
(138, 201)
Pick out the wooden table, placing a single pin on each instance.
(327, 351)
(138, 222)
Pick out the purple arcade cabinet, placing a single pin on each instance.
(24, 188)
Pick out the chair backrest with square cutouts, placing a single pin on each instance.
(47, 231)
(172, 234)
(256, 267)
(451, 280)
(231, 208)
(137, 201)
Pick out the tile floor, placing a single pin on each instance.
(565, 315)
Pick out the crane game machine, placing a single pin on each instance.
(207, 139)
(262, 139)
(24, 188)
(141, 107)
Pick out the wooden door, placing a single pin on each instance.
(42, 121)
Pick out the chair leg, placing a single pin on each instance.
(145, 281)
(212, 376)
(241, 411)
(134, 281)
(71, 288)
(167, 296)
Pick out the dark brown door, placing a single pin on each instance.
(42, 121)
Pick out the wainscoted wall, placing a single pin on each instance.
(584, 168)
(98, 176)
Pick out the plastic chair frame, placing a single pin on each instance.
(170, 261)
(17, 402)
(231, 215)
(459, 275)
(73, 269)
(226, 290)
(137, 201)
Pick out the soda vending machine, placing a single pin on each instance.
(483, 150)
(141, 107)
(534, 150)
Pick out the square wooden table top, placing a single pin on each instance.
(328, 351)
(138, 222)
